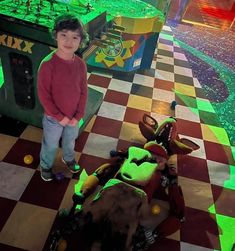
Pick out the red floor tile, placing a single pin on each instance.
(193, 168)
(91, 163)
(219, 153)
(134, 115)
(116, 97)
(20, 149)
(163, 84)
(45, 194)
(99, 80)
(200, 228)
(107, 127)
(189, 128)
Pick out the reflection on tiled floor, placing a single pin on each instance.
(205, 50)
(211, 13)
(28, 205)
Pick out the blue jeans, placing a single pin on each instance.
(52, 132)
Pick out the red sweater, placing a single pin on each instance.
(62, 87)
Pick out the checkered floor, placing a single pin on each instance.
(28, 205)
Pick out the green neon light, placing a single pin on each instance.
(80, 123)
(227, 230)
(205, 105)
(230, 184)
(77, 167)
(1, 76)
(211, 209)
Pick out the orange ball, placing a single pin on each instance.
(62, 245)
(156, 209)
(28, 159)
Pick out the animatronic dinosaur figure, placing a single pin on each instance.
(114, 216)
(164, 137)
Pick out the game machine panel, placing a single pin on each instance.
(20, 59)
(25, 40)
(22, 78)
(131, 44)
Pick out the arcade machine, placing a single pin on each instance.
(25, 40)
(133, 47)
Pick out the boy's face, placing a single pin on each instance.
(68, 41)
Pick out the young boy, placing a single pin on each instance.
(62, 91)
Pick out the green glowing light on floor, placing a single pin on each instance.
(227, 231)
(211, 209)
(220, 134)
(230, 184)
(195, 104)
(226, 227)
(226, 108)
(205, 105)
(189, 101)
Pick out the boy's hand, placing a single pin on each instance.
(65, 121)
(73, 122)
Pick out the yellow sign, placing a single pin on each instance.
(114, 55)
(16, 43)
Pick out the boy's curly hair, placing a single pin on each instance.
(70, 22)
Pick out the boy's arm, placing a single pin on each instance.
(44, 92)
(83, 98)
